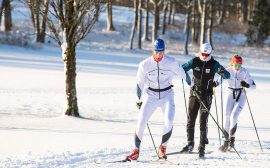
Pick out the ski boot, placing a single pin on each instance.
(224, 147)
(134, 155)
(231, 143)
(162, 152)
(188, 148)
(201, 150)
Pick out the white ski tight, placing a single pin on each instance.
(233, 109)
(149, 105)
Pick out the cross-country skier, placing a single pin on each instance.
(240, 78)
(154, 90)
(204, 69)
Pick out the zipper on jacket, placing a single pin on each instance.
(235, 77)
(158, 82)
(202, 72)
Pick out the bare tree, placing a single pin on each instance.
(6, 11)
(146, 21)
(156, 4)
(244, 8)
(188, 11)
(221, 11)
(133, 30)
(110, 26)
(170, 11)
(195, 23)
(203, 20)
(211, 20)
(75, 18)
(165, 10)
(35, 7)
(140, 25)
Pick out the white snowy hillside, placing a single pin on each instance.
(34, 133)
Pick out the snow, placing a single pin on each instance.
(35, 133)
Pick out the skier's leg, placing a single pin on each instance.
(148, 107)
(235, 114)
(193, 107)
(168, 109)
(207, 100)
(229, 108)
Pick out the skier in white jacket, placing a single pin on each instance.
(154, 90)
(236, 98)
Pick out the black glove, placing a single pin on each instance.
(244, 84)
(139, 104)
(221, 71)
(215, 84)
(194, 88)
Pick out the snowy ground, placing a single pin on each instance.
(35, 133)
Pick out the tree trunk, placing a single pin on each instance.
(251, 9)
(140, 25)
(37, 20)
(146, 21)
(173, 12)
(203, 22)
(7, 15)
(221, 11)
(244, 11)
(70, 71)
(187, 25)
(165, 9)
(1, 11)
(210, 27)
(157, 11)
(194, 22)
(110, 26)
(43, 25)
(155, 23)
(134, 24)
(170, 12)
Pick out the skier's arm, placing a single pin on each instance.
(248, 79)
(221, 71)
(140, 80)
(187, 66)
(178, 70)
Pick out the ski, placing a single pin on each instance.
(164, 161)
(114, 161)
(184, 152)
(158, 161)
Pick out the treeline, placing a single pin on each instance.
(201, 17)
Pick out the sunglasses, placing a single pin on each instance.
(237, 65)
(157, 52)
(205, 54)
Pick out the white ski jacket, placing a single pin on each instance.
(159, 75)
(234, 81)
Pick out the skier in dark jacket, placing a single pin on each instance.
(204, 69)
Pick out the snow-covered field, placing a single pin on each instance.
(35, 133)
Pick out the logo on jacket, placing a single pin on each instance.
(207, 70)
(197, 69)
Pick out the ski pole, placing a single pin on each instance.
(207, 110)
(184, 96)
(221, 97)
(217, 115)
(253, 120)
(152, 139)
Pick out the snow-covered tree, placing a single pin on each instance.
(70, 21)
